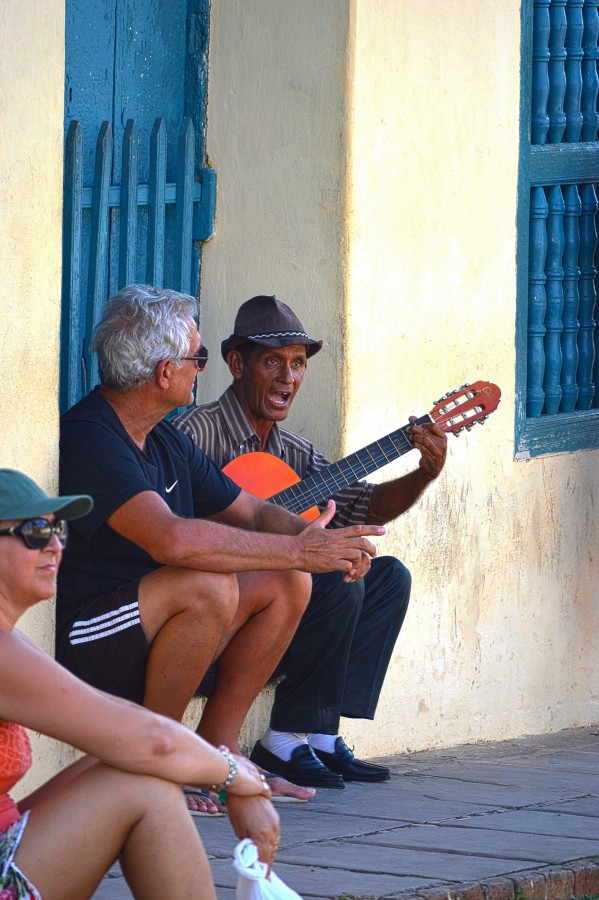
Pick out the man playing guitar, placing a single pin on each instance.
(336, 663)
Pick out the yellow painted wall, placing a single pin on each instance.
(367, 156)
(277, 95)
(498, 640)
(31, 116)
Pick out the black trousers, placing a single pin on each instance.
(336, 663)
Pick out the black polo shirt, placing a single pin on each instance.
(98, 457)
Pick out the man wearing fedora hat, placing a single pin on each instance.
(167, 574)
(336, 663)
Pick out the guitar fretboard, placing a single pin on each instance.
(319, 487)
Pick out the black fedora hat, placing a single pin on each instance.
(268, 322)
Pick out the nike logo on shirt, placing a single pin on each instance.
(169, 489)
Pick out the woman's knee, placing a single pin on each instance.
(136, 792)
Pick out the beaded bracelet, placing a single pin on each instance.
(233, 770)
(223, 795)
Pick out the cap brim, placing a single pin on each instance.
(69, 507)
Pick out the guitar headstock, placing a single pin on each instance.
(462, 408)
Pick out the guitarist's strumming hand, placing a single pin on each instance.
(344, 550)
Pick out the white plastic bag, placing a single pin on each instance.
(252, 883)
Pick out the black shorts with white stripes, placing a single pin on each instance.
(105, 644)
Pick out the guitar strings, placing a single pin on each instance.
(322, 485)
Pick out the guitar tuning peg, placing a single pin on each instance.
(467, 384)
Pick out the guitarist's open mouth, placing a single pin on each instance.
(281, 399)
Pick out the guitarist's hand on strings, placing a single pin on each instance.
(337, 549)
(432, 443)
(390, 499)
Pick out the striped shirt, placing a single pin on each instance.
(221, 429)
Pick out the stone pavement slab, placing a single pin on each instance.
(540, 775)
(364, 856)
(581, 806)
(543, 821)
(529, 778)
(315, 881)
(491, 842)
(379, 802)
(496, 821)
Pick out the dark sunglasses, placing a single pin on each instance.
(37, 533)
(200, 359)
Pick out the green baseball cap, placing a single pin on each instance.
(21, 498)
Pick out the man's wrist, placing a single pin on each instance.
(425, 478)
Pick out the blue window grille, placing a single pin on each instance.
(134, 231)
(557, 341)
(139, 200)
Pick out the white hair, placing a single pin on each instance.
(141, 326)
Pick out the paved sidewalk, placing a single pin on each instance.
(515, 819)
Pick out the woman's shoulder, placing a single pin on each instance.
(34, 688)
(19, 655)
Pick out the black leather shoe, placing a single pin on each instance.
(304, 768)
(345, 764)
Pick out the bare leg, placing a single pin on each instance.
(271, 605)
(192, 618)
(77, 832)
(185, 614)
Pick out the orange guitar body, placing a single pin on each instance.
(264, 475)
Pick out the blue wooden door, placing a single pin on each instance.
(138, 202)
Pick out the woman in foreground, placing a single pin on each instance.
(124, 799)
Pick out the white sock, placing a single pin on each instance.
(283, 743)
(324, 742)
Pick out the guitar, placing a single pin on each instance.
(270, 478)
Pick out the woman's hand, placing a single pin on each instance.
(256, 818)
(249, 781)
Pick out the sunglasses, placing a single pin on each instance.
(200, 359)
(37, 533)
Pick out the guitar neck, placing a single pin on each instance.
(324, 484)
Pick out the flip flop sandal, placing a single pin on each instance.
(282, 798)
(199, 792)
